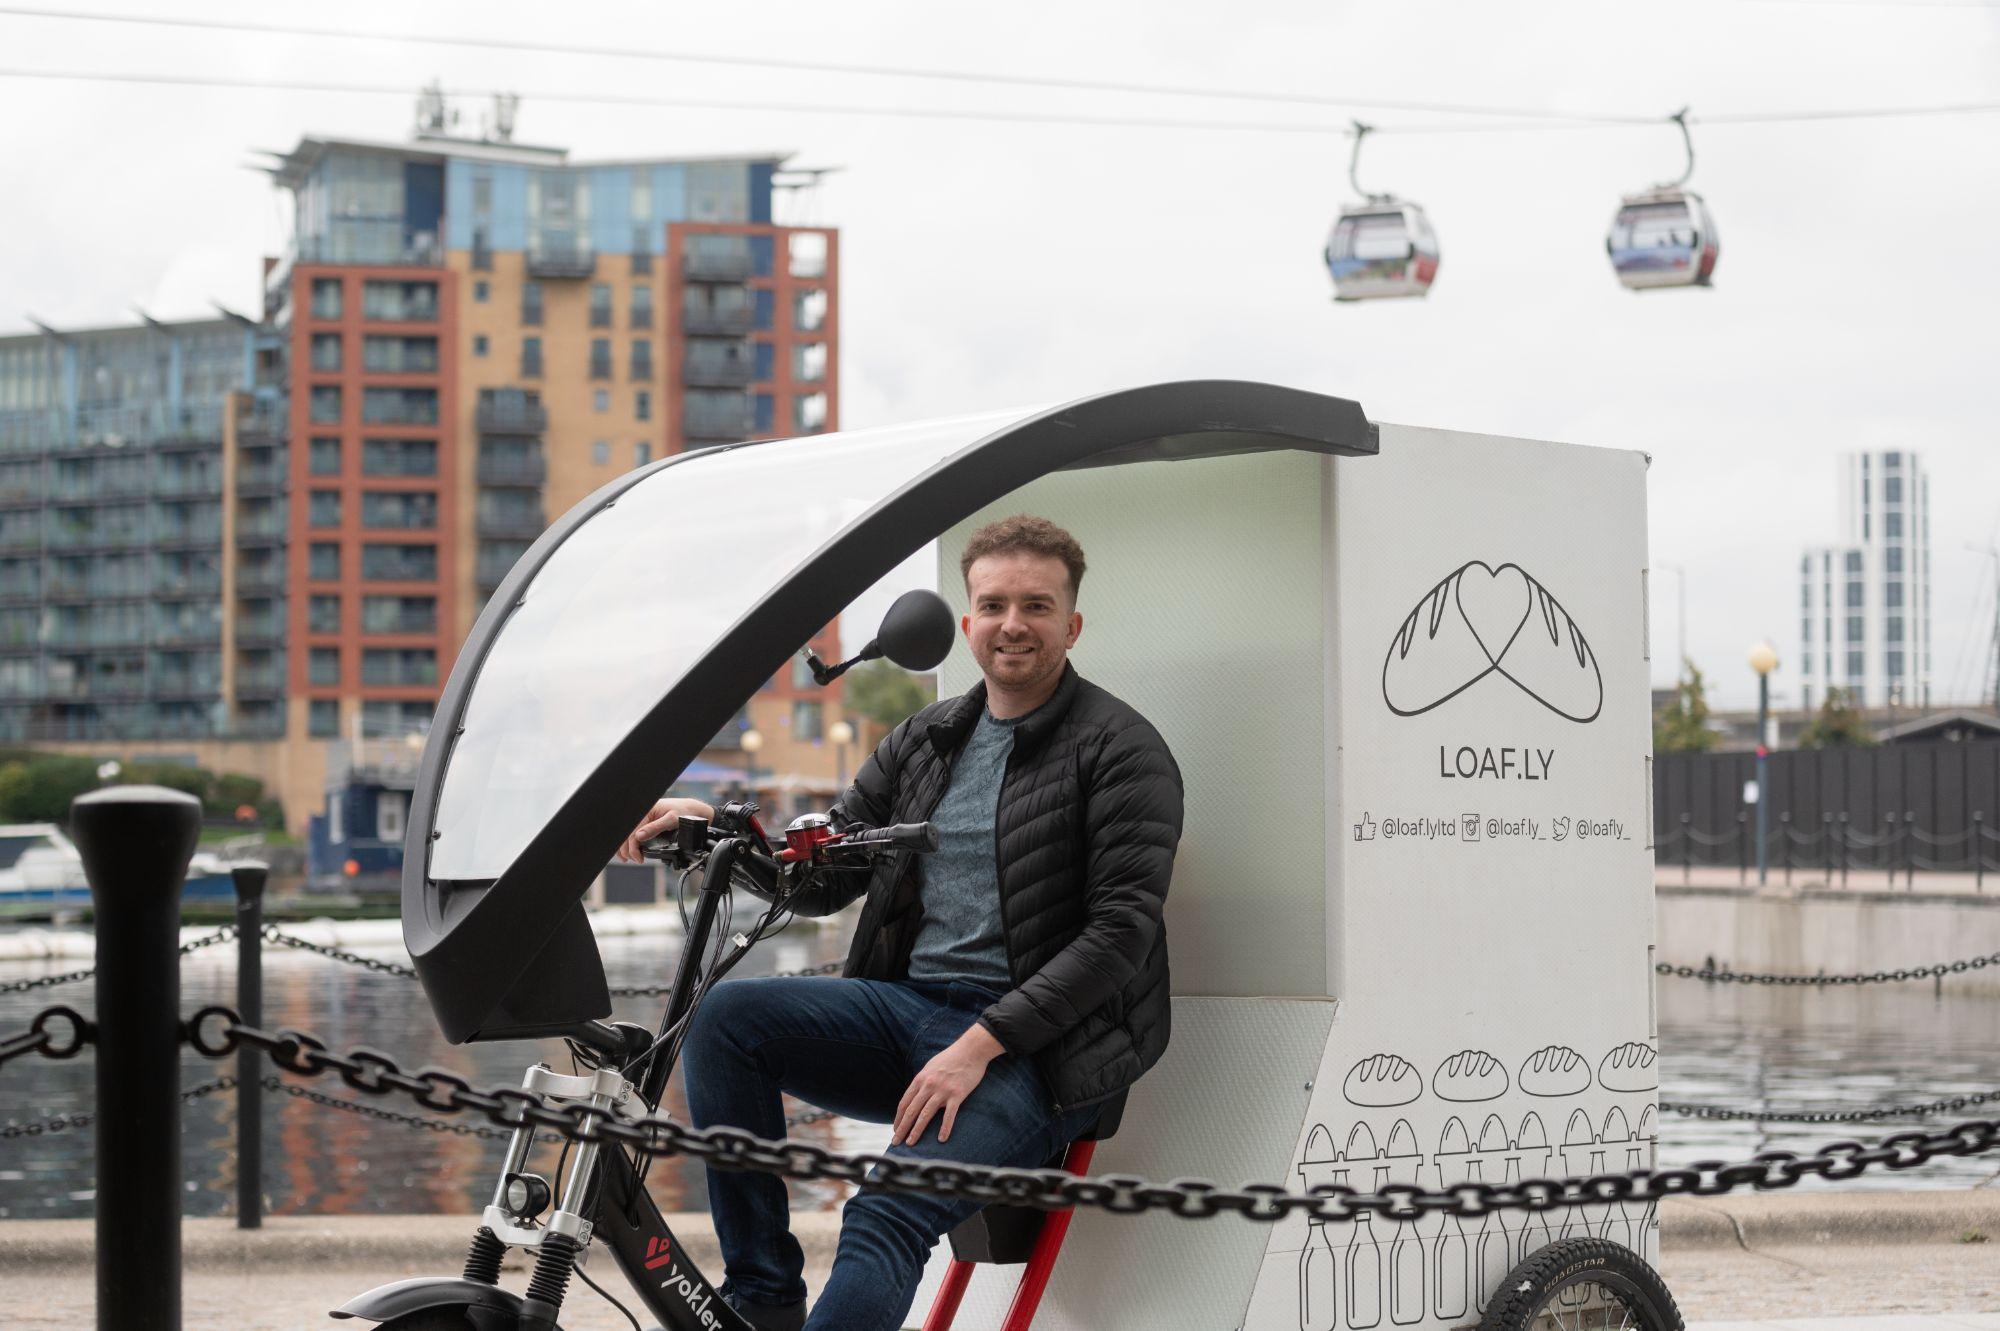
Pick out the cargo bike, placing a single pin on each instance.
(1404, 672)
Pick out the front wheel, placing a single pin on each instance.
(1582, 1285)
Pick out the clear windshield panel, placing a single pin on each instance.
(633, 598)
(1653, 226)
(1374, 236)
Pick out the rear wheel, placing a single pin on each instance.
(1582, 1285)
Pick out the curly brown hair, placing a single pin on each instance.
(1025, 533)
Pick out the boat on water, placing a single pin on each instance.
(41, 874)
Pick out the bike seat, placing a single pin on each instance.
(1005, 1235)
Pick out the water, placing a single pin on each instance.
(1734, 1045)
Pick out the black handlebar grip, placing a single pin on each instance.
(904, 836)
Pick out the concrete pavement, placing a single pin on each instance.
(1809, 1261)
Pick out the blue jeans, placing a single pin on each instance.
(852, 1047)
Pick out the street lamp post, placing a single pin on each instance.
(1763, 660)
(752, 740)
(842, 735)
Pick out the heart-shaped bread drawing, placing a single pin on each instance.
(1554, 1070)
(1382, 1081)
(1632, 1066)
(1468, 1076)
(1480, 621)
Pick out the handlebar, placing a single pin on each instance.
(920, 837)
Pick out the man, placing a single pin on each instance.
(998, 989)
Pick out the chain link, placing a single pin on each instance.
(84, 1118)
(273, 934)
(216, 1032)
(384, 1115)
(1726, 976)
(1951, 1105)
(222, 935)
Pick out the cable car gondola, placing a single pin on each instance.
(1664, 236)
(1381, 247)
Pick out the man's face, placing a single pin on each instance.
(1021, 625)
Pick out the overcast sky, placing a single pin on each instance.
(988, 265)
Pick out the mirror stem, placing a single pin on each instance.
(824, 674)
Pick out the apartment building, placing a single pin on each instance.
(1865, 600)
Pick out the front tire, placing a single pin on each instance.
(1582, 1285)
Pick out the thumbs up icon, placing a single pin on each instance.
(1365, 829)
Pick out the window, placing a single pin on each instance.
(399, 406)
(323, 719)
(1892, 490)
(807, 721)
(1892, 559)
(326, 298)
(399, 355)
(1853, 561)
(809, 362)
(399, 302)
(1893, 629)
(1805, 665)
(809, 412)
(399, 563)
(642, 405)
(531, 358)
(398, 665)
(531, 303)
(325, 404)
(1892, 525)
(808, 254)
(482, 290)
(1892, 594)
(323, 614)
(323, 665)
(414, 510)
(642, 453)
(642, 358)
(1854, 628)
(642, 255)
(1894, 662)
(809, 311)
(325, 508)
(600, 359)
(600, 305)
(1892, 462)
(393, 718)
(600, 400)
(399, 457)
(323, 562)
(1853, 595)
(479, 344)
(482, 192)
(802, 675)
(1805, 630)
(1855, 668)
(399, 614)
(642, 305)
(326, 352)
(323, 457)
(600, 452)
(390, 807)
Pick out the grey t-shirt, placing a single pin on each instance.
(961, 937)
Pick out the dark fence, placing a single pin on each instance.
(1896, 807)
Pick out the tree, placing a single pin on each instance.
(886, 693)
(1838, 724)
(1682, 726)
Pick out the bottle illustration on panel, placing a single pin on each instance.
(1620, 1225)
(1406, 1245)
(1579, 1148)
(1535, 1151)
(1319, 1265)
(1451, 1253)
(1364, 1254)
(1649, 1221)
(1493, 1249)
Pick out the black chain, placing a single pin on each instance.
(1951, 1105)
(216, 1032)
(84, 1118)
(272, 934)
(384, 1115)
(39, 1039)
(222, 935)
(1724, 975)
(660, 990)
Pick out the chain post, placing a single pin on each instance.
(1845, 855)
(1826, 840)
(1687, 848)
(1785, 839)
(249, 879)
(136, 842)
(1909, 850)
(1743, 846)
(1978, 851)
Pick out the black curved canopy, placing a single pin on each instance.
(640, 623)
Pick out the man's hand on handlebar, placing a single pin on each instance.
(661, 820)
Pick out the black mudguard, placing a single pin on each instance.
(487, 1307)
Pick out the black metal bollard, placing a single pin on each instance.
(1841, 828)
(1978, 852)
(249, 879)
(1785, 840)
(136, 842)
(1687, 849)
(1743, 847)
(1909, 850)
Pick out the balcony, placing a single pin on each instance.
(513, 471)
(262, 423)
(262, 681)
(718, 323)
(263, 530)
(263, 630)
(171, 584)
(187, 486)
(563, 261)
(95, 587)
(252, 579)
(511, 413)
(492, 569)
(184, 534)
(406, 622)
(112, 485)
(182, 684)
(509, 526)
(15, 593)
(187, 635)
(266, 480)
(718, 423)
(718, 374)
(733, 267)
(394, 672)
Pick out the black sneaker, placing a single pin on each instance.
(772, 1316)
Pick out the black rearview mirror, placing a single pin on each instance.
(916, 632)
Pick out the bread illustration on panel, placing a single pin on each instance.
(1482, 621)
(1632, 1066)
(1469, 1076)
(1554, 1070)
(1382, 1081)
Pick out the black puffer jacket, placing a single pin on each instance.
(1089, 815)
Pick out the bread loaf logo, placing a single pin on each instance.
(1484, 621)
